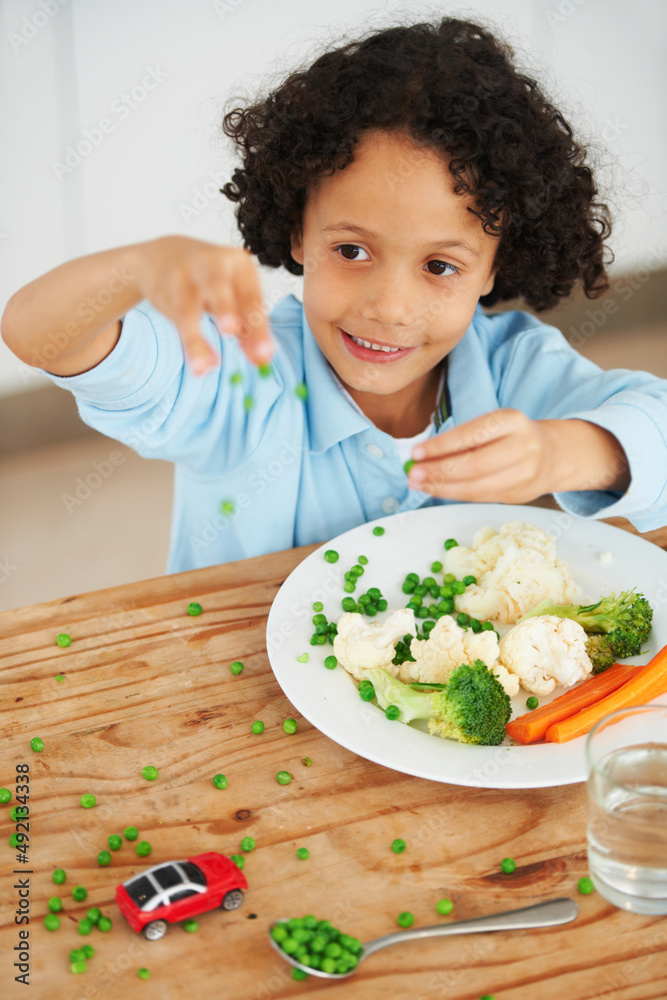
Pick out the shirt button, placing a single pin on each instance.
(390, 505)
(373, 449)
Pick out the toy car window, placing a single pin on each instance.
(179, 894)
(194, 874)
(168, 875)
(140, 891)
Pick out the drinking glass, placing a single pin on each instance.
(626, 754)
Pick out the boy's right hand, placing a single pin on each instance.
(184, 278)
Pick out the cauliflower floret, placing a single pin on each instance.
(515, 568)
(545, 651)
(360, 645)
(447, 646)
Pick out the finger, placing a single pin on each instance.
(473, 434)
(255, 335)
(495, 488)
(501, 455)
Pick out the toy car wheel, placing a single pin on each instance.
(232, 899)
(155, 930)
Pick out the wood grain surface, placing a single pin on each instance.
(144, 683)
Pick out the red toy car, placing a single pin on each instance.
(178, 890)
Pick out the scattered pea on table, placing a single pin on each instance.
(55, 904)
(220, 781)
(104, 924)
(37, 744)
(283, 777)
(51, 922)
(88, 800)
(405, 919)
(508, 865)
(93, 914)
(5, 795)
(115, 841)
(191, 926)
(398, 846)
(63, 640)
(238, 860)
(143, 848)
(257, 727)
(79, 893)
(444, 907)
(302, 853)
(289, 725)
(149, 773)
(59, 876)
(143, 973)
(194, 608)
(85, 926)
(236, 667)
(130, 833)
(248, 844)
(104, 858)
(78, 967)
(585, 886)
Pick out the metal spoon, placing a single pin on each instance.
(549, 914)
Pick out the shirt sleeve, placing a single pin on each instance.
(145, 395)
(544, 377)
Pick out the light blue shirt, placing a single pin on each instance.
(290, 472)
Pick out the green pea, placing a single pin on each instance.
(236, 667)
(303, 658)
(331, 556)
(405, 919)
(248, 844)
(382, 605)
(532, 702)
(363, 560)
(143, 848)
(475, 625)
(398, 846)
(301, 391)
(392, 712)
(408, 465)
(469, 580)
(130, 833)
(219, 780)
(299, 974)
(462, 619)
(78, 967)
(64, 640)
(248, 402)
(318, 606)
(283, 777)
(55, 904)
(104, 924)
(444, 907)
(330, 662)
(451, 543)
(371, 608)
(93, 914)
(585, 886)
(59, 876)
(264, 370)
(302, 853)
(487, 627)
(77, 955)
(88, 800)
(289, 725)
(143, 973)
(149, 773)
(436, 567)
(458, 587)
(194, 608)
(257, 727)
(104, 858)
(366, 691)
(85, 926)
(5, 795)
(236, 378)
(79, 893)
(37, 744)
(378, 530)
(508, 865)
(348, 604)
(60, 677)
(191, 926)
(306, 761)
(365, 599)
(238, 860)
(115, 841)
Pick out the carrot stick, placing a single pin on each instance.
(648, 683)
(532, 726)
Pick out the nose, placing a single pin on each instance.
(387, 299)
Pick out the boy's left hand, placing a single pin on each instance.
(505, 457)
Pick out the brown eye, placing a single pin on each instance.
(349, 249)
(441, 266)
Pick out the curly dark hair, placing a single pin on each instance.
(452, 87)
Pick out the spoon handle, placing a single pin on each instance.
(549, 914)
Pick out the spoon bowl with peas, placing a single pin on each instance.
(547, 914)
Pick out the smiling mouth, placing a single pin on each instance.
(371, 345)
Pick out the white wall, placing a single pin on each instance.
(65, 66)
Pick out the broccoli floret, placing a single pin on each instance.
(599, 652)
(624, 621)
(471, 707)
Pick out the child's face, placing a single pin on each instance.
(391, 285)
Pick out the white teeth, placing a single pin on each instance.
(374, 347)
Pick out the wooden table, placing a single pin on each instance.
(144, 683)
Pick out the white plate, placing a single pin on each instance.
(412, 541)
